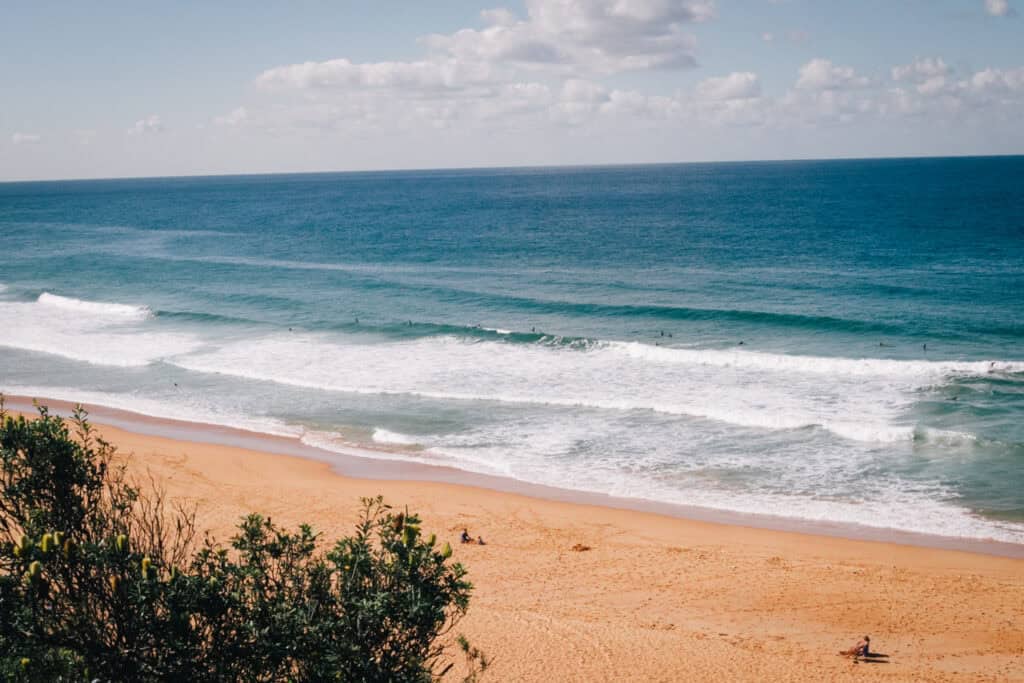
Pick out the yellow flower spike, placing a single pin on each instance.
(25, 661)
(446, 551)
(58, 538)
(122, 543)
(114, 582)
(69, 549)
(145, 567)
(46, 543)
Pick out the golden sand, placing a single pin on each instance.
(651, 598)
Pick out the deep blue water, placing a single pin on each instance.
(834, 340)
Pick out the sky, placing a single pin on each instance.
(123, 89)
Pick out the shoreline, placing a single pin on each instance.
(571, 591)
(358, 463)
(577, 592)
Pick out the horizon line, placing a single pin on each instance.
(523, 167)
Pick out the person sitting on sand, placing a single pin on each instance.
(465, 537)
(480, 540)
(861, 649)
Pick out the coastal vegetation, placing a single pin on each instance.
(101, 578)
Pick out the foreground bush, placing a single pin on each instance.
(98, 581)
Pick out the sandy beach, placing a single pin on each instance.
(652, 597)
(706, 318)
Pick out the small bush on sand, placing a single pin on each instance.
(99, 580)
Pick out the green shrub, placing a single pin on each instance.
(100, 581)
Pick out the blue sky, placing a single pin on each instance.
(136, 89)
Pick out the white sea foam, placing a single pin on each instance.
(671, 425)
(95, 308)
(385, 436)
(856, 399)
(526, 450)
(945, 436)
(92, 332)
(857, 367)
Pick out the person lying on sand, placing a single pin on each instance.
(861, 649)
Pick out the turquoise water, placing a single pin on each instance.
(834, 340)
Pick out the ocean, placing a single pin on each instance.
(838, 341)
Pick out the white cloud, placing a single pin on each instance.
(548, 67)
(998, 8)
(821, 74)
(928, 89)
(618, 35)
(541, 65)
(932, 86)
(928, 73)
(235, 117)
(25, 138)
(573, 38)
(637, 106)
(827, 106)
(737, 85)
(343, 74)
(996, 81)
(150, 124)
(921, 69)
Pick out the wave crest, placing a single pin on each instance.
(95, 308)
(777, 362)
(385, 436)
